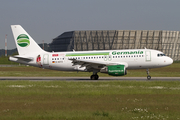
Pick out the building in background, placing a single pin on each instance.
(166, 41)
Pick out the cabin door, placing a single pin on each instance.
(148, 56)
(46, 59)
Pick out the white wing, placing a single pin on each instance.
(95, 65)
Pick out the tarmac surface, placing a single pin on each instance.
(88, 78)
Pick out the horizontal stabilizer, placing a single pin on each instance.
(22, 58)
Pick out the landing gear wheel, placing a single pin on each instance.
(94, 77)
(149, 77)
(97, 77)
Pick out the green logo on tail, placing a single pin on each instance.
(23, 40)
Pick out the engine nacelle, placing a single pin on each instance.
(115, 70)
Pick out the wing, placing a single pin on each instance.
(95, 65)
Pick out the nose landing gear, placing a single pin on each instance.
(148, 77)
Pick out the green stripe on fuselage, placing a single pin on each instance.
(87, 54)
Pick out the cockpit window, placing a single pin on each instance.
(160, 55)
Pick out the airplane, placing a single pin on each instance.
(112, 62)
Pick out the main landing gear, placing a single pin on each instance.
(148, 77)
(94, 76)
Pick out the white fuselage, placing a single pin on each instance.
(132, 59)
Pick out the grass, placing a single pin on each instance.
(85, 100)
(82, 100)
(169, 71)
(5, 60)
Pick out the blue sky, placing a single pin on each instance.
(46, 19)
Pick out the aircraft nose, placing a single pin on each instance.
(169, 61)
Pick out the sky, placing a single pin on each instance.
(47, 19)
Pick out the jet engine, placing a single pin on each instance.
(115, 70)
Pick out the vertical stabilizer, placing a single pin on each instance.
(24, 42)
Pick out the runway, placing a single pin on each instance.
(88, 79)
